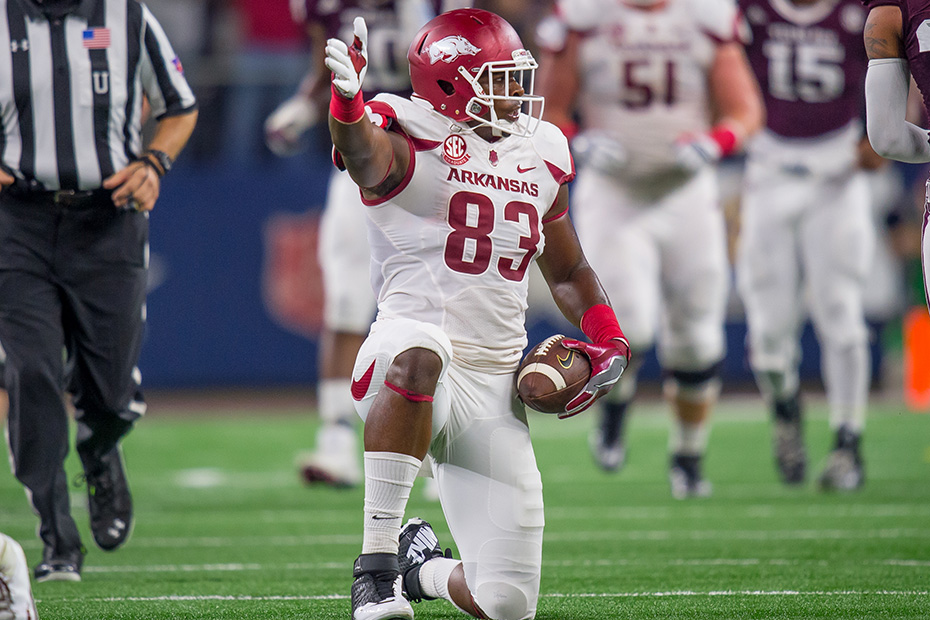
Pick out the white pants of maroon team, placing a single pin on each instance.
(489, 485)
(806, 245)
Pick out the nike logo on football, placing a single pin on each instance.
(566, 362)
(360, 386)
(521, 169)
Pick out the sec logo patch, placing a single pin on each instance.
(454, 150)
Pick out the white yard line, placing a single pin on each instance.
(554, 513)
(577, 536)
(339, 597)
(599, 563)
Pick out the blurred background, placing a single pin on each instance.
(236, 293)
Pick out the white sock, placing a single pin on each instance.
(688, 438)
(434, 577)
(846, 373)
(388, 479)
(334, 400)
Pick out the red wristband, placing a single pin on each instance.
(344, 110)
(599, 323)
(725, 138)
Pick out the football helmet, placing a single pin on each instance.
(453, 51)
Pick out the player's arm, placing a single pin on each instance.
(887, 83)
(376, 159)
(737, 104)
(557, 79)
(573, 283)
(138, 185)
(579, 295)
(289, 121)
(735, 92)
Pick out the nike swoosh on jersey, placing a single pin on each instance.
(521, 169)
(566, 362)
(360, 386)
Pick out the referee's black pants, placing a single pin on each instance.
(72, 277)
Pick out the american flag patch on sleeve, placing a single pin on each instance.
(96, 38)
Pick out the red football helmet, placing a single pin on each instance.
(453, 50)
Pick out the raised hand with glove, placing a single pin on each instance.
(609, 353)
(349, 65)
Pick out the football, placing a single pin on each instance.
(551, 375)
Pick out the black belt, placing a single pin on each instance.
(65, 197)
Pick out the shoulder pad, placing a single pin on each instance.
(552, 146)
(581, 15)
(718, 19)
(551, 33)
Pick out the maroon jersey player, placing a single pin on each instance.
(897, 39)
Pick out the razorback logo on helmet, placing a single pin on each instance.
(450, 48)
(454, 151)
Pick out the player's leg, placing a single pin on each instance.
(397, 387)
(491, 494)
(16, 601)
(104, 293)
(695, 277)
(616, 232)
(837, 242)
(349, 307)
(769, 281)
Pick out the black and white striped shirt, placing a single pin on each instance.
(71, 89)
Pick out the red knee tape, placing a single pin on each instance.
(411, 396)
(344, 110)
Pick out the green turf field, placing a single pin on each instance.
(225, 530)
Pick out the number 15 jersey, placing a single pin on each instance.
(452, 244)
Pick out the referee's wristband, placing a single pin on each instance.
(145, 160)
(164, 161)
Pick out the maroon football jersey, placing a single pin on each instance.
(915, 16)
(388, 38)
(810, 62)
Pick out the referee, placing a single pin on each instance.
(77, 186)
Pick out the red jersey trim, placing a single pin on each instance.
(561, 177)
(546, 220)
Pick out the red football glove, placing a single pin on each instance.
(608, 361)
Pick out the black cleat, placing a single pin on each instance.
(108, 498)
(417, 545)
(685, 479)
(844, 470)
(788, 441)
(59, 567)
(376, 591)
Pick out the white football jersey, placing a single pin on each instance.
(644, 74)
(453, 244)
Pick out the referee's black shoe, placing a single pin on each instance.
(108, 498)
(59, 567)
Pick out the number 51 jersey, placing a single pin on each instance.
(452, 245)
